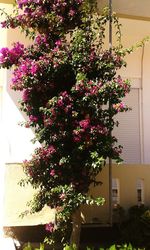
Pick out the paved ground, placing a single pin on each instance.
(7, 244)
(93, 237)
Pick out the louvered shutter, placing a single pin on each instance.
(128, 132)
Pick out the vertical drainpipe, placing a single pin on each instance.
(110, 160)
(141, 107)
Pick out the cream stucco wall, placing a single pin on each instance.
(16, 198)
(138, 68)
(17, 139)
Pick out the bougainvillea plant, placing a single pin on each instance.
(67, 80)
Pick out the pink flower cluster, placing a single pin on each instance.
(25, 96)
(35, 167)
(22, 3)
(50, 227)
(8, 57)
(65, 102)
(31, 71)
(90, 88)
(41, 40)
(115, 90)
(88, 133)
(33, 118)
(85, 124)
(27, 68)
(123, 84)
(119, 107)
(113, 58)
(62, 196)
(47, 152)
(52, 172)
(59, 108)
(62, 12)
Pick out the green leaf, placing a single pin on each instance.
(130, 247)
(71, 247)
(28, 247)
(41, 247)
(113, 247)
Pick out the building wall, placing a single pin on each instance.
(17, 138)
(16, 198)
(138, 68)
(127, 176)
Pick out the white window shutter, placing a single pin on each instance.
(115, 191)
(128, 131)
(140, 191)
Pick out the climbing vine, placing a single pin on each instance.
(67, 79)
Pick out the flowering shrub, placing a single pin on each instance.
(67, 81)
(46, 15)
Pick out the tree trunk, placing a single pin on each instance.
(76, 228)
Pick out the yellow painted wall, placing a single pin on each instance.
(128, 176)
(16, 198)
(7, 1)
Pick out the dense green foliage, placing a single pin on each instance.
(137, 221)
(73, 247)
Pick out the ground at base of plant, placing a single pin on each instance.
(98, 238)
(73, 247)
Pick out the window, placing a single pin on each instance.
(140, 191)
(139, 195)
(115, 192)
(129, 129)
